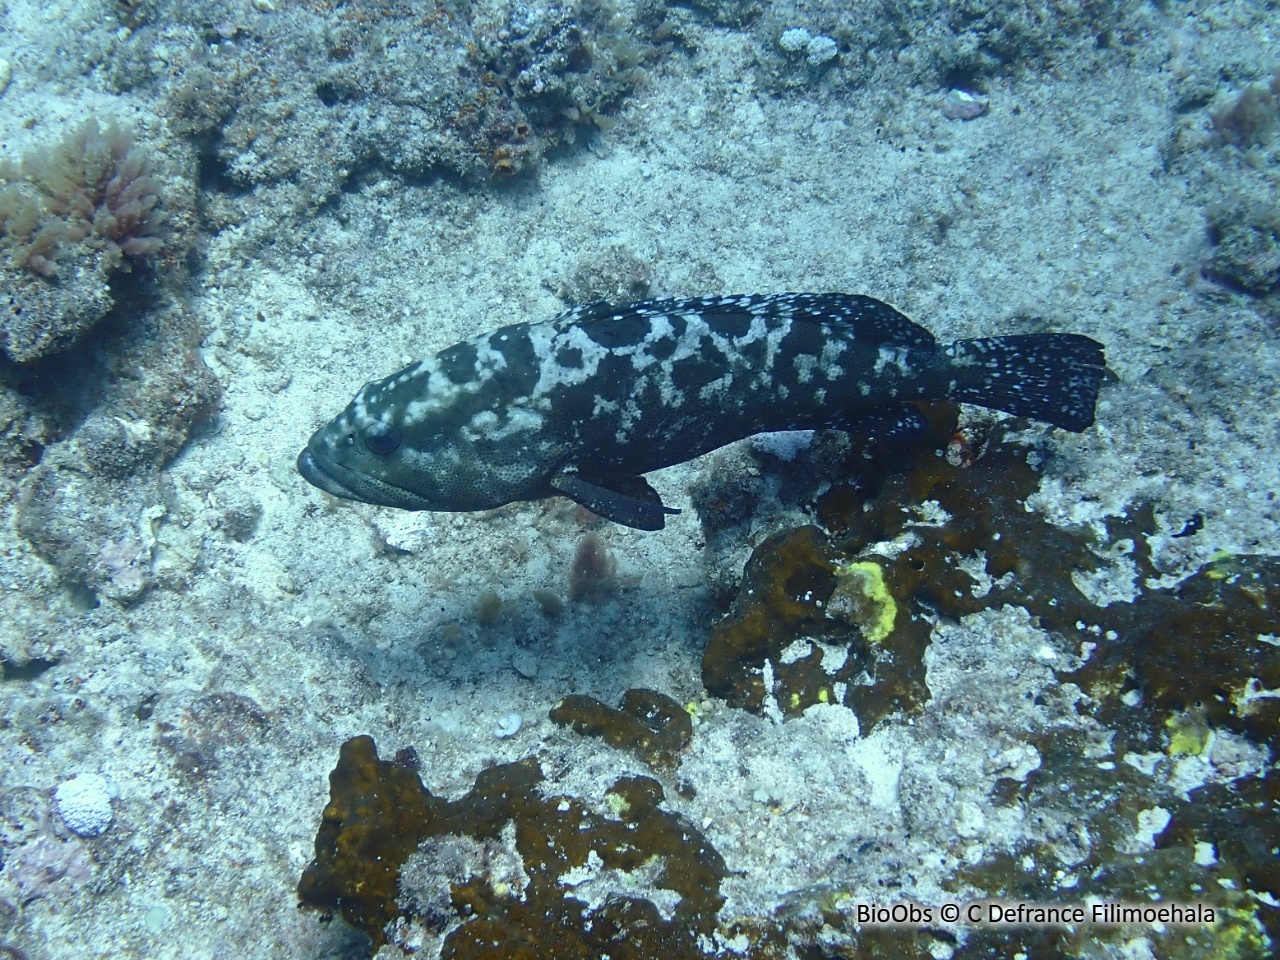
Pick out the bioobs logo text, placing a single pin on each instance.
(892, 915)
(995, 913)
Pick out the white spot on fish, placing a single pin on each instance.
(804, 364)
(715, 387)
(548, 342)
(895, 356)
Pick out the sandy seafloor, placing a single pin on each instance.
(1060, 206)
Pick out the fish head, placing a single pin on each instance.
(418, 441)
(360, 455)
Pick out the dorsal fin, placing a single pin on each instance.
(865, 317)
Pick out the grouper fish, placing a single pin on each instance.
(585, 404)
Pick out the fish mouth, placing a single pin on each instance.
(320, 473)
(318, 476)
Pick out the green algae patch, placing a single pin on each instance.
(380, 815)
(650, 724)
(862, 597)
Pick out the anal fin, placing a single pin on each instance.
(629, 501)
(892, 424)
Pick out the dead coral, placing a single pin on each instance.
(485, 92)
(614, 274)
(101, 480)
(1246, 236)
(40, 857)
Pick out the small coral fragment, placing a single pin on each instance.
(84, 803)
(962, 105)
(508, 725)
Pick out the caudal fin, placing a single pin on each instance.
(1052, 377)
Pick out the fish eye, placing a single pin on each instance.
(381, 439)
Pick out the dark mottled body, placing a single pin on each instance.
(585, 404)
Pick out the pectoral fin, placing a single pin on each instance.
(629, 501)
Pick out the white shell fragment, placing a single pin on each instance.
(819, 50)
(962, 105)
(508, 726)
(783, 444)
